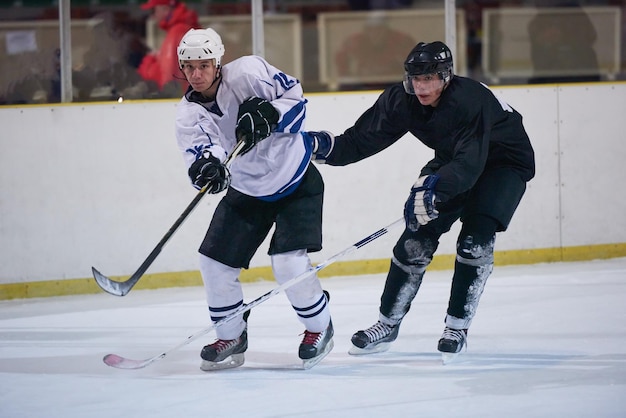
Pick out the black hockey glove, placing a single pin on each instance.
(322, 144)
(255, 121)
(419, 208)
(209, 170)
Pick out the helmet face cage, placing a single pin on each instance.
(200, 44)
(428, 58)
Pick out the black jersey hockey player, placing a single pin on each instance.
(272, 183)
(483, 160)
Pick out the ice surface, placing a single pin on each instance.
(549, 340)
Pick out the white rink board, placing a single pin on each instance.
(593, 157)
(100, 184)
(536, 222)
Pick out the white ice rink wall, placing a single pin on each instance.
(99, 184)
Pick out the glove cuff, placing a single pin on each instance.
(426, 182)
(322, 144)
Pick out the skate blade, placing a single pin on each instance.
(309, 363)
(229, 362)
(447, 358)
(378, 348)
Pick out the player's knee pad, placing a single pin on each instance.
(476, 241)
(290, 264)
(475, 252)
(218, 278)
(415, 250)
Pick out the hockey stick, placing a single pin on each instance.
(120, 362)
(122, 288)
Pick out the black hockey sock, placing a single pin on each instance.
(401, 286)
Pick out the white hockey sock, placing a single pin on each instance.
(223, 295)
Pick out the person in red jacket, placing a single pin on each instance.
(161, 67)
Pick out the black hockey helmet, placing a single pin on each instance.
(428, 58)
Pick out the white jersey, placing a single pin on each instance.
(274, 166)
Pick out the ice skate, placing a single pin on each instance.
(315, 346)
(224, 354)
(375, 339)
(451, 343)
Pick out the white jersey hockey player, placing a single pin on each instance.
(270, 184)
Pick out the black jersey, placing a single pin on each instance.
(470, 131)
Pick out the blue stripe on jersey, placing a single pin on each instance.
(294, 182)
(293, 119)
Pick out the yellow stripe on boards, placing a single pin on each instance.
(341, 268)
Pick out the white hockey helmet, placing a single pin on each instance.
(200, 44)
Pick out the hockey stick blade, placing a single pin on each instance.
(122, 288)
(111, 286)
(120, 362)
